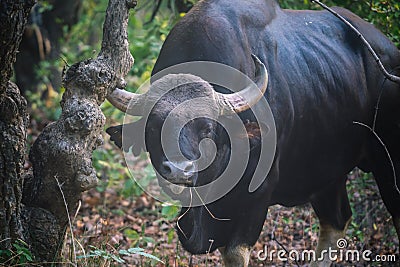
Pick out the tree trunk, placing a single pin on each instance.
(36, 206)
(13, 122)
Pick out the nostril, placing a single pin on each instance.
(189, 168)
(167, 167)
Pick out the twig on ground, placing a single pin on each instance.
(5, 239)
(69, 219)
(391, 77)
(83, 251)
(76, 214)
(9, 260)
(77, 209)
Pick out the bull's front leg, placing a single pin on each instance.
(236, 256)
(238, 250)
(248, 221)
(333, 210)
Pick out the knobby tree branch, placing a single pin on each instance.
(62, 154)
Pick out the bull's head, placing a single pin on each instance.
(181, 112)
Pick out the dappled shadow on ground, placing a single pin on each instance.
(110, 222)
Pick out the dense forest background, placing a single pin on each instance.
(117, 223)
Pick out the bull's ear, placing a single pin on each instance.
(133, 137)
(115, 133)
(253, 133)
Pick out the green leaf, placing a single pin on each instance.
(117, 259)
(170, 211)
(132, 234)
(140, 251)
(170, 235)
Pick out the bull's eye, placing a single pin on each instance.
(207, 132)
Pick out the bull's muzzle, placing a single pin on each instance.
(179, 173)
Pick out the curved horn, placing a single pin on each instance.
(248, 97)
(128, 102)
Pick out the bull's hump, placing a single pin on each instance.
(214, 30)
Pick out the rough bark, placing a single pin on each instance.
(13, 122)
(13, 15)
(62, 155)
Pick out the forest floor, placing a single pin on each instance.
(111, 222)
